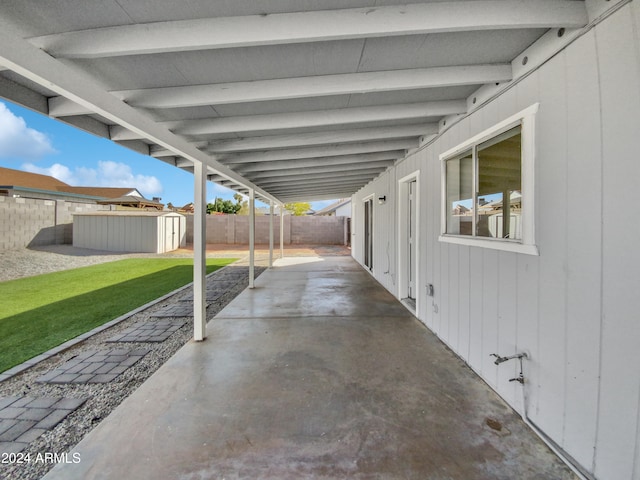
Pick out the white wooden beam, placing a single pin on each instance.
(281, 231)
(314, 194)
(318, 162)
(320, 138)
(314, 86)
(285, 28)
(341, 192)
(319, 169)
(329, 176)
(39, 67)
(270, 234)
(157, 151)
(321, 118)
(252, 237)
(316, 152)
(199, 253)
(322, 183)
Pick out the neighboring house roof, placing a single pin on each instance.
(105, 192)
(132, 201)
(333, 207)
(10, 178)
(17, 178)
(188, 208)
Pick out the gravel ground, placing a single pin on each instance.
(103, 398)
(52, 258)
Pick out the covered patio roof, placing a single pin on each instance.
(292, 99)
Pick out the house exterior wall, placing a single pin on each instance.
(343, 210)
(30, 222)
(574, 308)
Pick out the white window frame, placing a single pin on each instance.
(526, 118)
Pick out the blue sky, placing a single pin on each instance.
(36, 143)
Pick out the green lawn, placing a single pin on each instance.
(41, 312)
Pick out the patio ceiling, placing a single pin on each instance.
(298, 100)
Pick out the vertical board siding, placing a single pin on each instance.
(432, 224)
(551, 228)
(507, 321)
(464, 307)
(620, 106)
(476, 267)
(453, 305)
(584, 230)
(489, 336)
(574, 308)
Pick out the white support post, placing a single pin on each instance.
(271, 234)
(199, 252)
(252, 236)
(281, 231)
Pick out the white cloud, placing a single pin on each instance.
(108, 174)
(18, 140)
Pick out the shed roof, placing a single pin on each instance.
(128, 213)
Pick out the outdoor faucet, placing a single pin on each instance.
(500, 359)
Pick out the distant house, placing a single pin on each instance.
(341, 208)
(16, 183)
(133, 201)
(188, 208)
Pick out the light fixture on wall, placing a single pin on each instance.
(382, 200)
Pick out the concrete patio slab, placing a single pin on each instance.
(318, 372)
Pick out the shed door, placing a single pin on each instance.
(171, 227)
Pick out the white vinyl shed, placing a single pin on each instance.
(144, 232)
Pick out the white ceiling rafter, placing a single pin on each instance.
(298, 87)
(307, 181)
(319, 138)
(337, 169)
(294, 120)
(315, 26)
(322, 151)
(319, 161)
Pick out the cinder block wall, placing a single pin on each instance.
(30, 222)
(234, 230)
(318, 230)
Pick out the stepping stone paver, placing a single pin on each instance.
(157, 331)
(94, 366)
(24, 419)
(175, 310)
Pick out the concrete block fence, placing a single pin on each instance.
(29, 222)
(234, 230)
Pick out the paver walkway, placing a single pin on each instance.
(94, 366)
(23, 419)
(156, 331)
